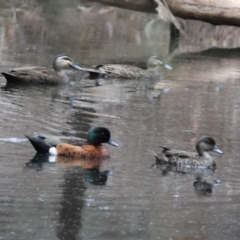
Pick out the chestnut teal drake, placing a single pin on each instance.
(93, 149)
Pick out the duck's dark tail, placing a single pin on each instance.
(9, 77)
(39, 145)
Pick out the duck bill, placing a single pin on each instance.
(113, 143)
(74, 66)
(167, 66)
(217, 150)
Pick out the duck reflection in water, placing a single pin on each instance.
(202, 187)
(79, 174)
(71, 204)
(200, 184)
(89, 168)
(167, 169)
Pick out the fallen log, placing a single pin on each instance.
(218, 12)
(139, 5)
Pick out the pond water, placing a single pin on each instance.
(125, 198)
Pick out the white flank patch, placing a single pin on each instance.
(53, 151)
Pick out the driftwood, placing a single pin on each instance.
(219, 12)
(136, 5)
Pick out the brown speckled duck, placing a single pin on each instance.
(128, 71)
(200, 159)
(42, 75)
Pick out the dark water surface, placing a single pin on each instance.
(133, 200)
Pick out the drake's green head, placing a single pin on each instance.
(98, 135)
(62, 61)
(156, 61)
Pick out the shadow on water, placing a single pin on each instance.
(71, 205)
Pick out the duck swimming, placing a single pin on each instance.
(43, 75)
(128, 71)
(201, 158)
(91, 150)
